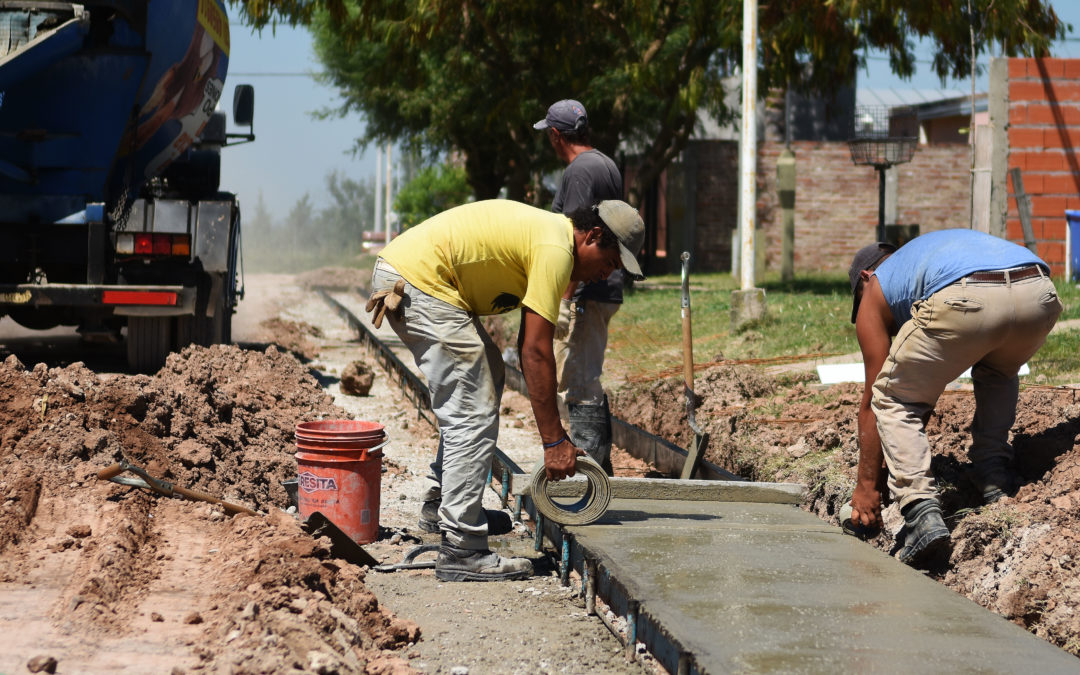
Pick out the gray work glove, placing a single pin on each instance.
(387, 300)
(562, 327)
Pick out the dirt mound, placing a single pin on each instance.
(262, 595)
(1018, 558)
(292, 336)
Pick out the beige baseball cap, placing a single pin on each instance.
(629, 228)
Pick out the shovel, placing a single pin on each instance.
(165, 488)
(701, 439)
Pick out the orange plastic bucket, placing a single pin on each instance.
(339, 474)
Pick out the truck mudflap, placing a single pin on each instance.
(125, 300)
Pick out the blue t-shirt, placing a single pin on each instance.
(932, 261)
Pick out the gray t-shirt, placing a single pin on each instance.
(591, 177)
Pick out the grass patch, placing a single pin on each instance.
(1069, 293)
(808, 316)
(1057, 361)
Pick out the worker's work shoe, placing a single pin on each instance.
(995, 480)
(926, 539)
(458, 564)
(590, 430)
(429, 515)
(499, 522)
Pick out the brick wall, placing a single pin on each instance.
(1044, 127)
(836, 202)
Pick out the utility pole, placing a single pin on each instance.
(378, 190)
(748, 303)
(389, 189)
(785, 187)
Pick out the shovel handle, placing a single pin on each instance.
(687, 331)
(111, 471)
(203, 497)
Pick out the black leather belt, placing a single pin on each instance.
(1001, 276)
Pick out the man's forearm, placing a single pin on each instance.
(870, 454)
(539, 372)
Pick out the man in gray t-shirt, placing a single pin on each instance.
(581, 334)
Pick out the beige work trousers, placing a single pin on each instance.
(579, 357)
(991, 327)
(465, 377)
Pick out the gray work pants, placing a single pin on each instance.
(579, 356)
(992, 327)
(465, 377)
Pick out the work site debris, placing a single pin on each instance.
(220, 420)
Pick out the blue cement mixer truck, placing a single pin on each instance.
(111, 214)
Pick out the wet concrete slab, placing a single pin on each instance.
(769, 588)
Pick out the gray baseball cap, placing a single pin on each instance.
(865, 258)
(624, 220)
(565, 115)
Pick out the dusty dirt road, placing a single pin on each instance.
(99, 577)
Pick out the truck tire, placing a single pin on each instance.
(206, 330)
(149, 341)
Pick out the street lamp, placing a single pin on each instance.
(883, 137)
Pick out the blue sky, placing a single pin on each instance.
(293, 152)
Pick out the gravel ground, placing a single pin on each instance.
(530, 626)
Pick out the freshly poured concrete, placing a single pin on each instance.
(768, 588)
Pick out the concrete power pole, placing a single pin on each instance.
(748, 303)
(378, 190)
(389, 189)
(785, 187)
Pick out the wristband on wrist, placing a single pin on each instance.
(558, 442)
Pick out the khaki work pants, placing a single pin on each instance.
(465, 377)
(579, 357)
(991, 327)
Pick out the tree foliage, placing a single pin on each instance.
(433, 190)
(473, 75)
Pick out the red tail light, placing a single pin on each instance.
(144, 244)
(162, 244)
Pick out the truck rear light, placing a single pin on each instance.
(125, 243)
(181, 245)
(153, 244)
(144, 244)
(162, 244)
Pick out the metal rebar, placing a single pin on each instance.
(538, 544)
(518, 502)
(631, 630)
(505, 487)
(564, 565)
(590, 587)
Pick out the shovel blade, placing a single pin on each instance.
(694, 455)
(341, 544)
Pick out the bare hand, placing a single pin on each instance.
(560, 461)
(866, 506)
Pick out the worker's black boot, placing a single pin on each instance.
(590, 430)
(429, 515)
(995, 479)
(499, 522)
(926, 539)
(459, 564)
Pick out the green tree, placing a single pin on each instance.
(473, 75)
(433, 190)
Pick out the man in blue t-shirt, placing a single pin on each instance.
(953, 299)
(587, 308)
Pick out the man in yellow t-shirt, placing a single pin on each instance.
(484, 258)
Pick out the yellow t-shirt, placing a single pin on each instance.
(489, 257)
